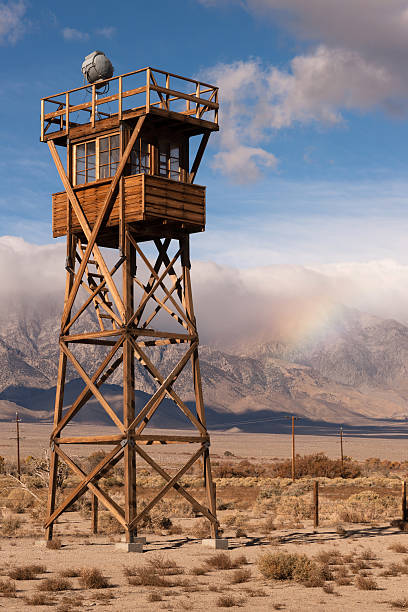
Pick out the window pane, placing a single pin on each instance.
(104, 144)
(90, 161)
(114, 141)
(103, 158)
(80, 150)
(113, 169)
(80, 178)
(115, 155)
(175, 176)
(90, 148)
(174, 151)
(104, 172)
(80, 165)
(90, 175)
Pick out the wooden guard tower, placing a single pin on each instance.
(128, 209)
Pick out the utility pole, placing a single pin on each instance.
(341, 450)
(293, 446)
(18, 446)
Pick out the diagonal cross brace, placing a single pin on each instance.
(167, 487)
(196, 505)
(82, 486)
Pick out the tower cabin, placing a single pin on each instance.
(154, 192)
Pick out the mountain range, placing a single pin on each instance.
(353, 371)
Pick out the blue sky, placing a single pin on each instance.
(310, 164)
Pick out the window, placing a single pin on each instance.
(169, 161)
(140, 158)
(85, 163)
(108, 155)
(96, 159)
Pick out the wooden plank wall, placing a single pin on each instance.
(174, 201)
(146, 197)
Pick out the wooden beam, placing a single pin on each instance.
(87, 231)
(199, 155)
(92, 387)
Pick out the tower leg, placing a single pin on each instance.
(198, 389)
(129, 392)
(59, 400)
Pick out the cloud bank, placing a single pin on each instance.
(233, 305)
(356, 61)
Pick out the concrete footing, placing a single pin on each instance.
(215, 543)
(136, 539)
(130, 547)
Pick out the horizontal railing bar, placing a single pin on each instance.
(184, 96)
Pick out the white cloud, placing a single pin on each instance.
(12, 21)
(106, 32)
(359, 63)
(73, 34)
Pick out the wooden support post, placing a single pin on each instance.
(93, 106)
(94, 511)
(316, 504)
(341, 451)
(129, 393)
(293, 449)
(404, 500)
(120, 100)
(18, 446)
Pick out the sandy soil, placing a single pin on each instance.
(203, 592)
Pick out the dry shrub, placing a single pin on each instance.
(241, 575)
(268, 525)
(223, 561)
(400, 604)
(26, 572)
(154, 596)
(228, 601)
(366, 506)
(328, 588)
(368, 555)
(8, 588)
(146, 575)
(10, 525)
(316, 465)
(292, 566)
(39, 599)
(164, 565)
(92, 578)
(398, 548)
(242, 469)
(330, 556)
(366, 583)
(55, 544)
(54, 584)
(19, 500)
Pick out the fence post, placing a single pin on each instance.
(404, 500)
(94, 514)
(315, 504)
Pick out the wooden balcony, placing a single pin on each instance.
(146, 91)
(147, 198)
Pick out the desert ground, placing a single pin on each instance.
(356, 559)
